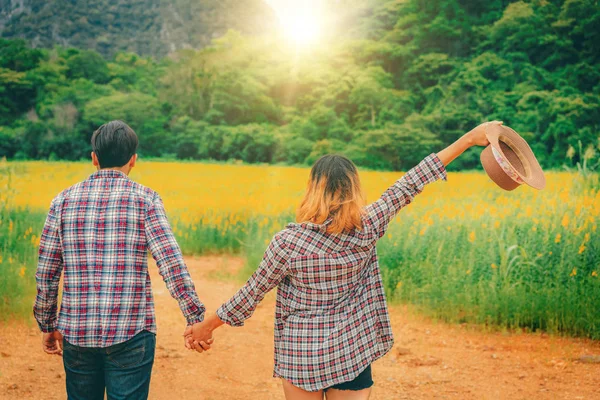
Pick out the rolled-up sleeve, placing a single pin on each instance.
(271, 271)
(400, 194)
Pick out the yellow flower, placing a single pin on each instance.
(550, 253)
(468, 272)
(497, 224)
(472, 237)
(574, 272)
(594, 273)
(422, 232)
(449, 228)
(399, 285)
(539, 255)
(581, 249)
(557, 239)
(565, 221)
(22, 272)
(534, 229)
(494, 266)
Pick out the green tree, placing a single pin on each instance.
(88, 65)
(140, 111)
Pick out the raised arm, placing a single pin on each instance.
(432, 168)
(172, 268)
(476, 137)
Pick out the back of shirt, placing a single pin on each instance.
(99, 232)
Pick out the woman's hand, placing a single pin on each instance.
(199, 336)
(478, 135)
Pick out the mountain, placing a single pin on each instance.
(145, 27)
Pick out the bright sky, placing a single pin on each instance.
(301, 20)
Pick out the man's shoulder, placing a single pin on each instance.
(66, 193)
(145, 193)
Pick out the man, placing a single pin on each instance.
(98, 233)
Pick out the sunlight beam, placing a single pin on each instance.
(300, 20)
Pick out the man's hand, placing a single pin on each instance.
(187, 337)
(189, 340)
(52, 343)
(199, 337)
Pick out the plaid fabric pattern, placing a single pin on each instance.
(98, 232)
(331, 318)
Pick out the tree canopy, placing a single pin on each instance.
(405, 79)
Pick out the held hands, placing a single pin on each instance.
(477, 136)
(52, 343)
(198, 337)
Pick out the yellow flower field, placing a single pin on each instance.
(193, 189)
(463, 251)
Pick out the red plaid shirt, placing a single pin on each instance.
(331, 318)
(98, 232)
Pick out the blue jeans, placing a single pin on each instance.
(123, 370)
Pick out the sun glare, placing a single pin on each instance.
(300, 19)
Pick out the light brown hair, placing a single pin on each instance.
(334, 193)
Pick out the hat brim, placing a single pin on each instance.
(529, 170)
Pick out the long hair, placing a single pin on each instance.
(334, 192)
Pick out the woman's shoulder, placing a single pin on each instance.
(281, 238)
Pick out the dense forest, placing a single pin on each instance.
(393, 81)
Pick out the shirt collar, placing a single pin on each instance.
(108, 174)
(311, 225)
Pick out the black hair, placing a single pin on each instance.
(337, 171)
(114, 144)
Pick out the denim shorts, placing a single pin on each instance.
(363, 381)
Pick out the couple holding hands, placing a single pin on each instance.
(331, 318)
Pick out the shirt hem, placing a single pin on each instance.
(376, 356)
(74, 342)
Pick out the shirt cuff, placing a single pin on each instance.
(48, 328)
(195, 319)
(224, 316)
(433, 163)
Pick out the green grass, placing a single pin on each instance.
(510, 277)
(17, 261)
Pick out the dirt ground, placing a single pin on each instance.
(429, 361)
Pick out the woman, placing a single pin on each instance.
(331, 318)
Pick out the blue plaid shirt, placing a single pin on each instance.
(98, 233)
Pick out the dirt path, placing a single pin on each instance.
(429, 361)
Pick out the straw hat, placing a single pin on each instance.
(509, 161)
